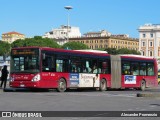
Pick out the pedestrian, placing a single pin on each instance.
(4, 76)
(0, 73)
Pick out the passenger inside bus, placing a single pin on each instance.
(75, 67)
(134, 70)
(143, 71)
(84, 69)
(150, 71)
(94, 69)
(88, 69)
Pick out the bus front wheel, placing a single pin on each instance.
(61, 85)
(143, 85)
(103, 85)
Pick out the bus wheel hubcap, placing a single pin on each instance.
(62, 85)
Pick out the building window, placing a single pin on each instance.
(151, 35)
(143, 44)
(105, 46)
(144, 35)
(150, 53)
(143, 53)
(150, 44)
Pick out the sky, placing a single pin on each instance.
(36, 17)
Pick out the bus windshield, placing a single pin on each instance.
(25, 61)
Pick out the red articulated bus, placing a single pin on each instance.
(51, 68)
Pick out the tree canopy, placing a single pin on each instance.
(115, 51)
(4, 49)
(74, 46)
(36, 41)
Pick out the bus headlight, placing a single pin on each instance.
(36, 78)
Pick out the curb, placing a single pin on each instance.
(148, 94)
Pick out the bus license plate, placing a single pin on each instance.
(22, 85)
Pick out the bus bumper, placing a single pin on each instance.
(24, 84)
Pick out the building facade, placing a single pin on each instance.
(12, 36)
(149, 40)
(108, 42)
(60, 34)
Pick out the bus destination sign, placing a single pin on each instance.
(24, 52)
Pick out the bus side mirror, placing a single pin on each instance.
(44, 56)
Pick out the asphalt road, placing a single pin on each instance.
(84, 100)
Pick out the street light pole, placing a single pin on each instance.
(68, 8)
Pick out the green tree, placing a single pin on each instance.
(115, 51)
(124, 51)
(18, 43)
(74, 46)
(135, 52)
(127, 51)
(112, 51)
(36, 41)
(4, 49)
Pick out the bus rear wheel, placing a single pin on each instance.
(61, 85)
(143, 85)
(103, 85)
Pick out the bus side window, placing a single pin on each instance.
(134, 68)
(94, 68)
(126, 68)
(143, 69)
(48, 64)
(75, 66)
(59, 65)
(104, 67)
(44, 65)
(150, 69)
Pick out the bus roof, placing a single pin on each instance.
(131, 56)
(85, 52)
(89, 50)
